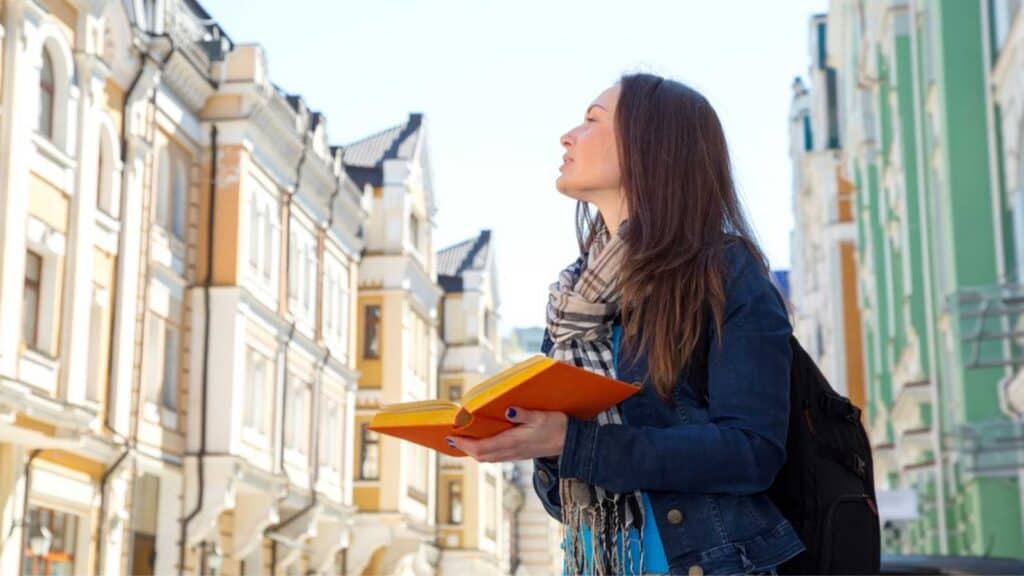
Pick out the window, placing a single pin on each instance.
(296, 426)
(144, 510)
(63, 529)
(490, 326)
(30, 299)
(417, 489)
(302, 262)
(330, 425)
(455, 501)
(46, 97)
(371, 338)
(335, 303)
(106, 195)
(169, 380)
(258, 378)
(414, 231)
(490, 502)
(369, 452)
(264, 236)
(164, 360)
(172, 191)
(454, 392)
(97, 343)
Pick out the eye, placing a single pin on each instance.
(589, 119)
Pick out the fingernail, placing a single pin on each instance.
(511, 412)
(451, 443)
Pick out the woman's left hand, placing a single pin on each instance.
(539, 433)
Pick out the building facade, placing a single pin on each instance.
(923, 106)
(203, 303)
(180, 253)
(395, 482)
(471, 522)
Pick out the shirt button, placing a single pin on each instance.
(544, 476)
(695, 570)
(675, 517)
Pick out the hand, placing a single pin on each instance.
(539, 433)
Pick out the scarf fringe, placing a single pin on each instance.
(582, 304)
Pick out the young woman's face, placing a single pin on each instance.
(590, 165)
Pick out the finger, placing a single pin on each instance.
(523, 416)
(467, 445)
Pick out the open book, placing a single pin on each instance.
(537, 383)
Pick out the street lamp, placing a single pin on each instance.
(39, 539)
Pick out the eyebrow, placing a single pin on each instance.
(596, 106)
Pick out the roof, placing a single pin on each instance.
(469, 255)
(364, 159)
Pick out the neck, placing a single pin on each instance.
(613, 213)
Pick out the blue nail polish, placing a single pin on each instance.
(511, 412)
(451, 443)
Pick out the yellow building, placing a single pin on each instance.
(394, 481)
(470, 494)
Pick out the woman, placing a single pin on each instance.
(661, 483)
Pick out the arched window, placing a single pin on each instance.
(46, 97)
(107, 199)
(103, 183)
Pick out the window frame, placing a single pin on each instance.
(367, 439)
(47, 88)
(37, 286)
(374, 321)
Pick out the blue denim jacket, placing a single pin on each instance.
(705, 468)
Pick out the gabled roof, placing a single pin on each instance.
(364, 159)
(469, 255)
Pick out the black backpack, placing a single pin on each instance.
(826, 486)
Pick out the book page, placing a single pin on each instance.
(501, 377)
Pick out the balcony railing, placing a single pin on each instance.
(989, 448)
(991, 329)
(194, 32)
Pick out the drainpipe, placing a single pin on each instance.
(130, 440)
(24, 504)
(204, 401)
(933, 346)
(287, 345)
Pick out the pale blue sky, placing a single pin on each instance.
(499, 82)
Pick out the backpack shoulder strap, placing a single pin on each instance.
(697, 366)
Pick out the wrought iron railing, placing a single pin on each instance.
(989, 448)
(991, 325)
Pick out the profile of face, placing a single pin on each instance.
(590, 167)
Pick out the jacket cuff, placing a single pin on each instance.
(578, 450)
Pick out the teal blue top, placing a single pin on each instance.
(654, 553)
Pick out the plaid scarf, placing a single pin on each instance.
(581, 309)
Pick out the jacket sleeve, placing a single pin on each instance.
(545, 484)
(545, 470)
(742, 446)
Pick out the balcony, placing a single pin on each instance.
(989, 449)
(991, 325)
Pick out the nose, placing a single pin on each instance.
(565, 140)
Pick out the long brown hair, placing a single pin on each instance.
(683, 213)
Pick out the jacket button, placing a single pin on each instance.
(695, 570)
(675, 517)
(544, 476)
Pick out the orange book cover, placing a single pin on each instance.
(537, 383)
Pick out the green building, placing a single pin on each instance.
(916, 95)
